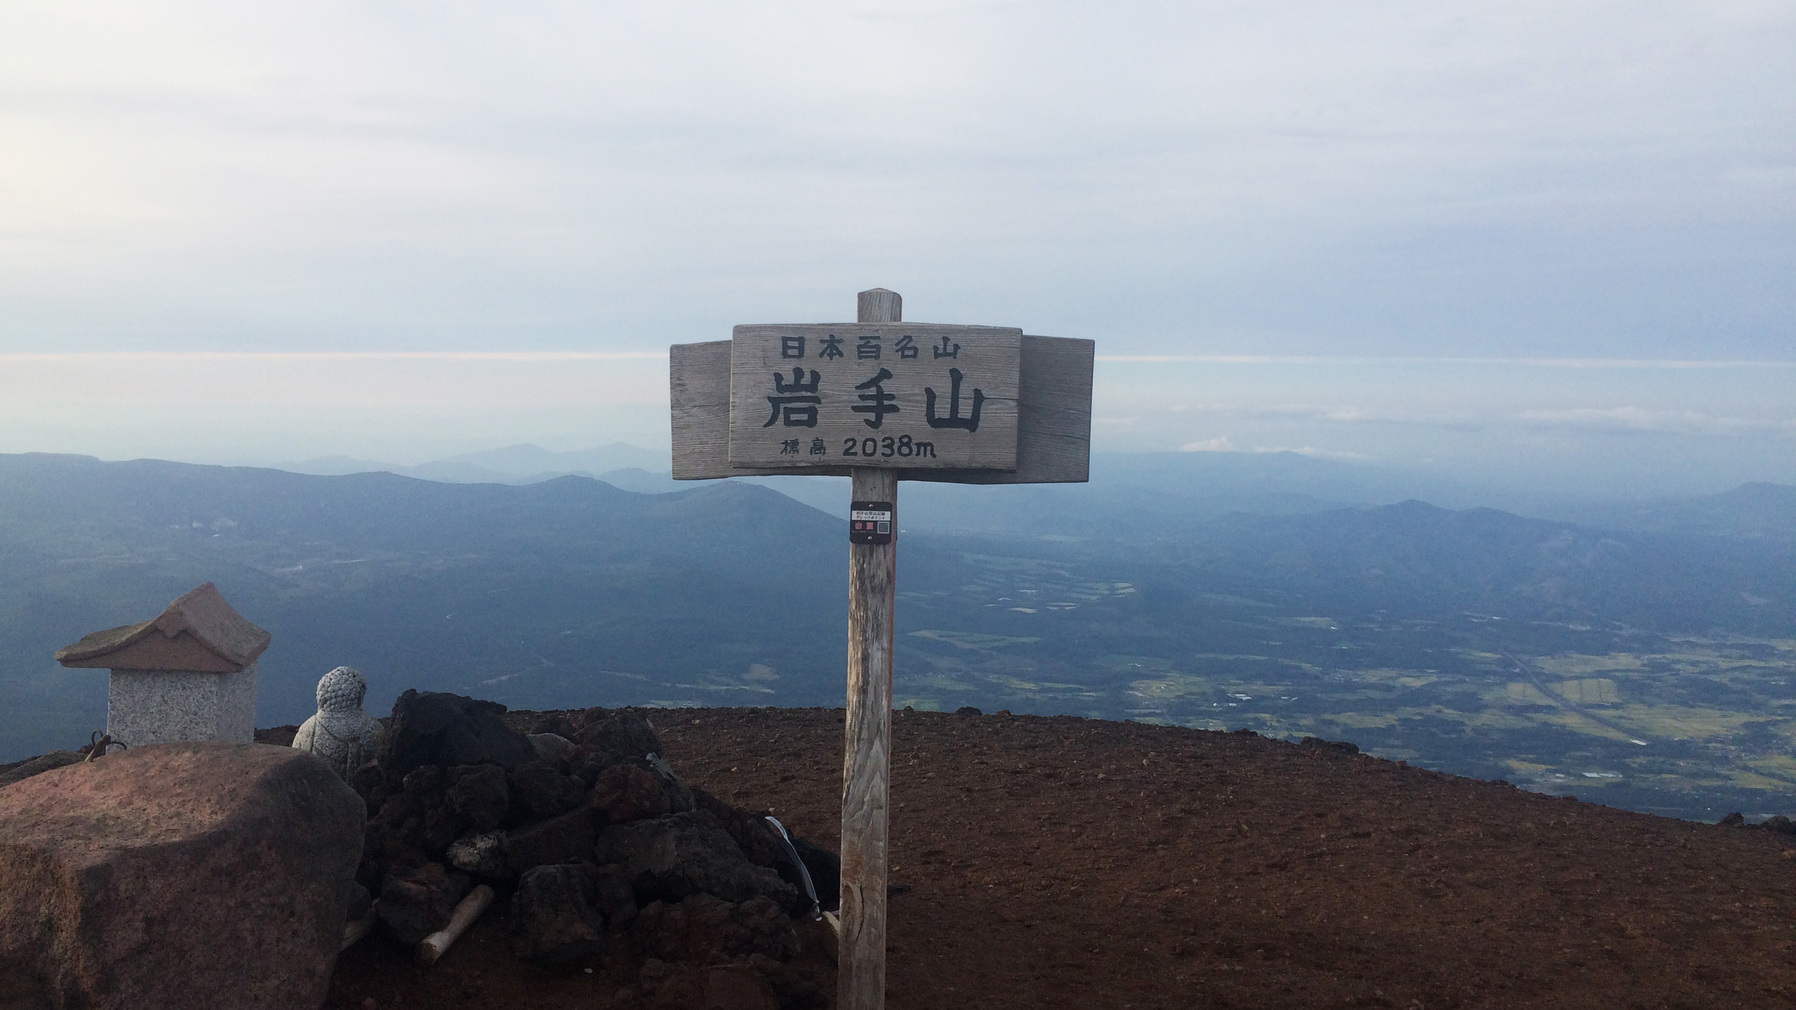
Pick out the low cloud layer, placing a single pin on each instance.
(1519, 425)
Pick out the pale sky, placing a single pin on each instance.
(1430, 234)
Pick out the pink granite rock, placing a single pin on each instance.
(180, 875)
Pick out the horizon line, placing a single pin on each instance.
(337, 355)
(1217, 359)
(1252, 359)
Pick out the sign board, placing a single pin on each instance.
(898, 395)
(879, 400)
(1053, 416)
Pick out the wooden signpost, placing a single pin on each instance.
(879, 400)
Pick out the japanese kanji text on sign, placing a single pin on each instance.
(900, 395)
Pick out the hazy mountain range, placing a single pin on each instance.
(1167, 588)
(513, 464)
(1143, 485)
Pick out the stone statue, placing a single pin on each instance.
(341, 733)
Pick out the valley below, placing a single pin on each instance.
(1633, 667)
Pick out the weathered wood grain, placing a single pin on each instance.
(1053, 421)
(878, 304)
(866, 756)
(699, 381)
(866, 761)
(1053, 418)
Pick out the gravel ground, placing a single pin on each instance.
(1061, 862)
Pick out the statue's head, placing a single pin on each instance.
(341, 690)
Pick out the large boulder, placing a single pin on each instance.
(430, 728)
(180, 875)
(563, 839)
(539, 792)
(685, 854)
(554, 918)
(622, 736)
(629, 792)
(763, 844)
(479, 793)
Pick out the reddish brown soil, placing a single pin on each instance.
(1074, 863)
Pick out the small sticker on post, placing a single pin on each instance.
(870, 522)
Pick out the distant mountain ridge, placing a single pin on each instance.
(1221, 603)
(1756, 511)
(419, 583)
(1134, 490)
(513, 464)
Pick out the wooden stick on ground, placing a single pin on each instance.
(355, 929)
(465, 913)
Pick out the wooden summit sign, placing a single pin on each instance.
(875, 394)
(877, 400)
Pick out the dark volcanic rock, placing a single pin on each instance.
(416, 903)
(762, 845)
(615, 898)
(539, 792)
(587, 765)
(559, 725)
(757, 839)
(553, 918)
(551, 747)
(442, 822)
(424, 780)
(479, 793)
(415, 824)
(21, 770)
(679, 793)
(396, 832)
(685, 854)
(706, 928)
(448, 729)
(630, 792)
(561, 839)
(181, 875)
(625, 735)
(370, 783)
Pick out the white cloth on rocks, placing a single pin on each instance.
(341, 733)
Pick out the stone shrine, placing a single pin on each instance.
(341, 733)
(187, 674)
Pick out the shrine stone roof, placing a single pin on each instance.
(198, 632)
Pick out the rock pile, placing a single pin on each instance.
(591, 838)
